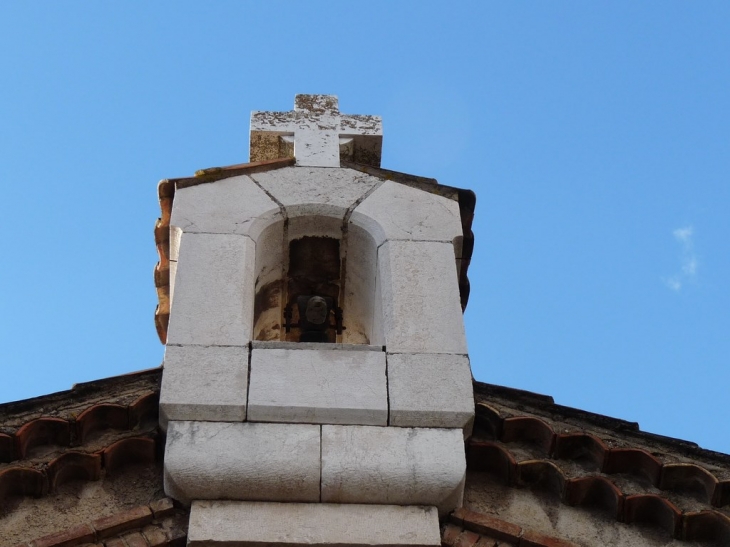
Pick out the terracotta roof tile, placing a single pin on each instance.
(472, 529)
(100, 417)
(129, 451)
(487, 525)
(533, 539)
(68, 538)
(73, 466)
(113, 524)
(43, 431)
(7, 448)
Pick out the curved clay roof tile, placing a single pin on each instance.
(42, 431)
(129, 451)
(543, 475)
(21, 481)
(595, 492)
(492, 458)
(634, 461)
(528, 429)
(653, 509)
(7, 448)
(706, 526)
(144, 410)
(577, 446)
(73, 466)
(689, 478)
(100, 417)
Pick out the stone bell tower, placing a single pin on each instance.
(316, 385)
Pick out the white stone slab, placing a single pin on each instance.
(204, 383)
(256, 524)
(228, 206)
(242, 461)
(396, 211)
(316, 190)
(214, 291)
(318, 386)
(420, 298)
(393, 465)
(430, 390)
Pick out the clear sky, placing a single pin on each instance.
(596, 136)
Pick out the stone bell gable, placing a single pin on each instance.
(316, 351)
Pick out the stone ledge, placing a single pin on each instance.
(254, 524)
(262, 344)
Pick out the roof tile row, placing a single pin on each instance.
(74, 432)
(30, 481)
(597, 491)
(685, 478)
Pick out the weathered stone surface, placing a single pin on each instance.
(395, 465)
(420, 298)
(430, 390)
(254, 524)
(228, 206)
(244, 461)
(316, 128)
(396, 211)
(306, 191)
(204, 383)
(361, 255)
(175, 235)
(214, 293)
(318, 386)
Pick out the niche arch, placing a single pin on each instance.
(316, 253)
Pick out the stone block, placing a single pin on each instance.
(326, 191)
(214, 293)
(430, 390)
(228, 206)
(254, 524)
(204, 383)
(396, 211)
(420, 298)
(318, 386)
(393, 465)
(242, 461)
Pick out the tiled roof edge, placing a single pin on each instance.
(78, 390)
(545, 404)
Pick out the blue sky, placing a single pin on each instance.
(596, 136)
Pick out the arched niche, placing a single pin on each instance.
(322, 255)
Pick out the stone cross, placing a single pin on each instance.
(320, 134)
